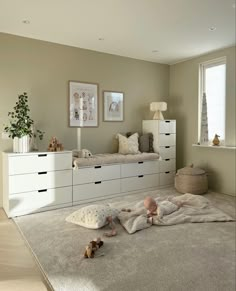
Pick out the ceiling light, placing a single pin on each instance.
(212, 28)
(26, 21)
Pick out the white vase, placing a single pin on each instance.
(22, 144)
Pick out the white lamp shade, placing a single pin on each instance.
(155, 106)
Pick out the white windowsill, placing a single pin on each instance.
(214, 147)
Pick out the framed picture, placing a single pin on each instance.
(83, 104)
(113, 106)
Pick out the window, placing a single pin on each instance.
(212, 83)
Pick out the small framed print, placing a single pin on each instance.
(113, 106)
(83, 104)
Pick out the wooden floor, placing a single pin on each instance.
(18, 268)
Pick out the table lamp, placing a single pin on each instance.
(158, 107)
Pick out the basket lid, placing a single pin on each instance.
(190, 170)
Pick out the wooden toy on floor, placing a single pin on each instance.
(92, 247)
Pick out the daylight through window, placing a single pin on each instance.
(212, 83)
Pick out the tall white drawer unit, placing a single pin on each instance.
(36, 181)
(164, 143)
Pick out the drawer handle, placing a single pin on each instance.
(141, 176)
(98, 182)
(42, 155)
(167, 120)
(140, 162)
(167, 147)
(43, 190)
(167, 159)
(97, 167)
(167, 172)
(167, 133)
(42, 173)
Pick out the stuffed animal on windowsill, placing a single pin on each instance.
(92, 247)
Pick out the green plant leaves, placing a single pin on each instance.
(21, 123)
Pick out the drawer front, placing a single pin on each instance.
(35, 201)
(167, 152)
(141, 168)
(97, 173)
(92, 190)
(24, 164)
(39, 181)
(138, 183)
(167, 126)
(167, 139)
(167, 165)
(167, 178)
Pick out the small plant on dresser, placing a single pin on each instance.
(21, 125)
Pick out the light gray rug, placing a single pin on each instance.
(183, 257)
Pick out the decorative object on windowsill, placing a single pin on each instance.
(21, 126)
(54, 145)
(158, 107)
(204, 121)
(216, 140)
(191, 180)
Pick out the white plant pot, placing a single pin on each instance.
(22, 144)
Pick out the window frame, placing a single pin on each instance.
(202, 67)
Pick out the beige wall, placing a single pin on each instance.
(43, 70)
(183, 101)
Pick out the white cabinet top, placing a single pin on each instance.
(35, 153)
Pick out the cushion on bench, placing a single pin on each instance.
(103, 159)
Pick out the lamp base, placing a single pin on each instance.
(158, 115)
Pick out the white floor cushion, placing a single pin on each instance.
(92, 216)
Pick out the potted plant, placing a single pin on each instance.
(21, 128)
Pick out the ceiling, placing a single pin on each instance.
(163, 31)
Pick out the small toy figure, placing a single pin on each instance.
(54, 145)
(92, 247)
(216, 140)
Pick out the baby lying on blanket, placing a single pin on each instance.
(158, 210)
(155, 212)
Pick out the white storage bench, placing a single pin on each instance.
(108, 175)
(39, 181)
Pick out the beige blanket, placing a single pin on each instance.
(195, 209)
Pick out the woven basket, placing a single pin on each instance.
(191, 180)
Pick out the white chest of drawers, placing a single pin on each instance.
(164, 143)
(36, 181)
(92, 183)
(139, 176)
(99, 182)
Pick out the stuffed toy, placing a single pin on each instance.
(84, 153)
(92, 247)
(54, 145)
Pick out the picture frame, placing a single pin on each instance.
(83, 104)
(113, 109)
